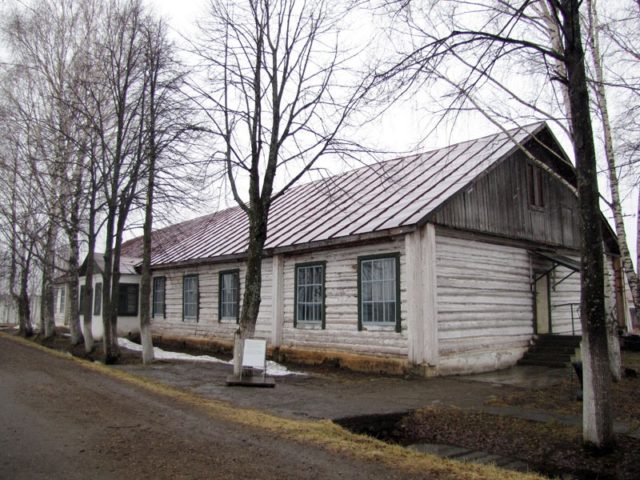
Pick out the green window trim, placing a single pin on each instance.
(323, 315)
(398, 321)
(186, 279)
(83, 289)
(159, 305)
(128, 299)
(235, 303)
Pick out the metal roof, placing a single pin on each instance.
(370, 200)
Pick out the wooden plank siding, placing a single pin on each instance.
(497, 203)
(485, 304)
(341, 291)
(208, 324)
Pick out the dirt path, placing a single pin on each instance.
(59, 420)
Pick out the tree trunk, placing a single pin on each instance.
(75, 331)
(637, 322)
(87, 312)
(253, 283)
(615, 359)
(145, 281)
(48, 270)
(109, 283)
(597, 419)
(24, 308)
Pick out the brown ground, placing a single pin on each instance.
(59, 420)
(548, 446)
(560, 398)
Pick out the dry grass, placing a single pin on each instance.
(324, 434)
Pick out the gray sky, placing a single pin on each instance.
(403, 127)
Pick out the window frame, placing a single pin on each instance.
(136, 288)
(154, 299)
(191, 276)
(397, 324)
(83, 289)
(97, 299)
(236, 274)
(63, 297)
(297, 322)
(535, 187)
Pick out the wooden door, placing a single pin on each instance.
(542, 305)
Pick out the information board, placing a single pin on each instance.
(255, 353)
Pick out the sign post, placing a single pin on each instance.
(254, 357)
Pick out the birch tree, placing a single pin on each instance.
(51, 41)
(466, 44)
(165, 129)
(275, 105)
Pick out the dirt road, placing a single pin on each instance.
(60, 420)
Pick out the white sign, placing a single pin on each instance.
(254, 354)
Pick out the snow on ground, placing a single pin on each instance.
(274, 369)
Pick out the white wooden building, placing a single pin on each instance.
(445, 262)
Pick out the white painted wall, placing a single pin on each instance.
(485, 304)
(341, 313)
(126, 324)
(208, 324)
(341, 332)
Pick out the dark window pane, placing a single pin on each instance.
(97, 299)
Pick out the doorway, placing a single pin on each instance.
(542, 313)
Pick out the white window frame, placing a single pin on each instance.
(379, 291)
(190, 297)
(310, 295)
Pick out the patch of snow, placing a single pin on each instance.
(274, 369)
(277, 370)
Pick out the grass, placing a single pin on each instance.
(323, 434)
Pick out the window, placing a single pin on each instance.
(379, 291)
(97, 299)
(534, 186)
(309, 293)
(229, 295)
(157, 306)
(190, 297)
(128, 299)
(82, 294)
(62, 299)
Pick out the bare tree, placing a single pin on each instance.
(514, 32)
(276, 105)
(119, 70)
(20, 226)
(51, 41)
(165, 126)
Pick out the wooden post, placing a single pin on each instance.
(430, 297)
(422, 307)
(415, 289)
(277, 296)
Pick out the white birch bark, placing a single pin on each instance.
(614, 185)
